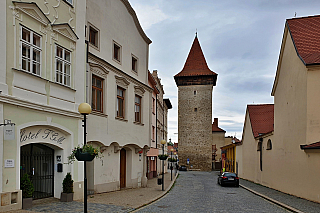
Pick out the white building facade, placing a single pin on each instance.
(118, 90)
(40, 94)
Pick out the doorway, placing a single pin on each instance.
(123, 168)
(37, 160)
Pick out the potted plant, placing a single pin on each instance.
(172, 160)
(85, 153)
(67, 189)
(163, 157)
(27, 190)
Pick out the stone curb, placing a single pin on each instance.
(273, 201)
(160, 196)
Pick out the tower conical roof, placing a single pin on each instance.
(196, 63)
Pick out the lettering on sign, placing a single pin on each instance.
(9, 163)
(42, 134)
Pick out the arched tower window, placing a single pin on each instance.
(269, 145)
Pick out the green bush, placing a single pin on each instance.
(67, 184)
(26, 186)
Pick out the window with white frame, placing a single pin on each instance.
(63, 66)
(30, 51)
(137, 109)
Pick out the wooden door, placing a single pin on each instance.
(123, 168)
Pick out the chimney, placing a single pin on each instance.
(216, 122)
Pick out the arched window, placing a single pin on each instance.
(269, 145)
(259, 146)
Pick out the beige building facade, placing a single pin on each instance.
(290, 154)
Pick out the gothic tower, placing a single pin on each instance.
(195, 83)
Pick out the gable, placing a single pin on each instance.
(32, 10)
(65, 30)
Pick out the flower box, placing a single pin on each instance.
(163, 157)
(84, 156)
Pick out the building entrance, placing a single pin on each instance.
(37, 160)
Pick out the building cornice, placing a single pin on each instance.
(7, 99)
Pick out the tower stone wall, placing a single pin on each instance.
(195, 83)
(195, 126)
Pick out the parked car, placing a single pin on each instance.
(183, 168)
(228, 178)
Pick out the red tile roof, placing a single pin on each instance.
(261, 118)
(311, 146)
(196, 63)
(215, 127)
(305, 33)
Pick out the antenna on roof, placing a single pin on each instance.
(196, 33)
(295, 14)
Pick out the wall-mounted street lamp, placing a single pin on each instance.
(163, 142)
(85, 109)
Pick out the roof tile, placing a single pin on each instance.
(261, 118)
(305, 32)
(196, 63)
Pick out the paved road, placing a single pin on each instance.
(199, 192)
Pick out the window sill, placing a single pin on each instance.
(116, 60)
(38, 76)
(121, 119)
(138, 123)
(101, 114)
(94, 46)
(135, 72)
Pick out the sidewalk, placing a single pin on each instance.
(287, 201)
(125, 200)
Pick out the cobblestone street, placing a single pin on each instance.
(199, 192)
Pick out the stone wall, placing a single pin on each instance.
(195, 126)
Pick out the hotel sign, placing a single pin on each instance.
(41, 134)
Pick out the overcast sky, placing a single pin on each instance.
(240, 40)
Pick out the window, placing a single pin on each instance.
(153, 133)
(97, 93)
(137, 109)
(69, 1)
(120, 102)
(153, 106)
(196, 109)
(134, 64)
(93, 36)
(194, 92)
(116, 52)
(63, 66)
(30, 51)
(269, 145)
(259, 146)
